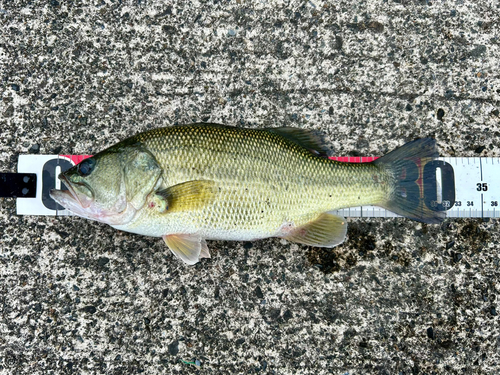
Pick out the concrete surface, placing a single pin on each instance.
(398, 297)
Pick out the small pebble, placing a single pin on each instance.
(34, 149)
(102, 261)
(258, 292)
(173, 348)
(430, 333)
(440, 114)
(479, 149)
(90, 309)
(457, 257)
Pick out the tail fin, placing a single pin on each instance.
(405, 165)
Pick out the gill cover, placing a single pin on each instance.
(112, 185)
(140, 174)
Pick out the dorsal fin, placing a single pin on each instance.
(303, 137)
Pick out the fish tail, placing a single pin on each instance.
(407, 177)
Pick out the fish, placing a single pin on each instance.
(198, 182)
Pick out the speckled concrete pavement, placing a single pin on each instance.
(398, 297)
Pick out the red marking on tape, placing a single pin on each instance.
(345, 159)
(76, 158)
(354, 159)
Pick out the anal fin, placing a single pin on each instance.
(327, 230)
(187, 247)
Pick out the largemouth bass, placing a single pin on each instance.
(196, 182)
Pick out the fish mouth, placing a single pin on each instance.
(71, 198)
(79, 199)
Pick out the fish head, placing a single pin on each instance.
(109, 187)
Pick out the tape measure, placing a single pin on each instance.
(463, 187)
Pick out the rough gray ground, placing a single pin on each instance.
(398, 297)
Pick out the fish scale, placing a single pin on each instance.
(265, 181)
(195, 182)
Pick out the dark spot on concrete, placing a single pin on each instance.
(173, 348)
(376, 26)
(339, 42)
(473, 236)
(34, 149)
(164, 293)
(258, 292)
(351, 260)
(287, 315)
(102, 261)
(478, 51)
(360, 242)
(430, 333)
(479, 149)
(446, 344)
(440, 114)
(325, 258)
(274, 314)
(247, 245)
(89, 309)
(9, 112)
(457, 257)
(57, 150)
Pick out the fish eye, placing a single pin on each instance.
(86, 167)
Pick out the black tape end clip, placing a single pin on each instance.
(17, 185)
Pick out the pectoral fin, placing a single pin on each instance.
(327, 230)
(188, 196)
(187, 247)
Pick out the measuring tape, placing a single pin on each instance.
(463, 187)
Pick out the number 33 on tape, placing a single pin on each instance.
(47, 168)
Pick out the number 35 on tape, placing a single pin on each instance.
(47, 168)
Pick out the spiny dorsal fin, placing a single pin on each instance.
(327, 230)
(303, 137)
(187, 196)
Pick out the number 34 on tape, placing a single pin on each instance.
(47, 168)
